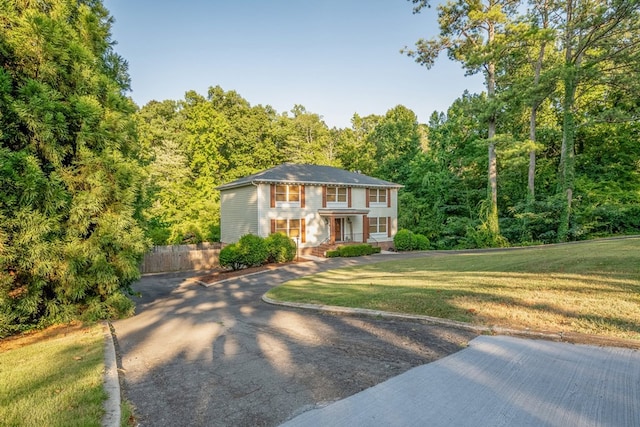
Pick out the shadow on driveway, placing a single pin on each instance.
(220, 356)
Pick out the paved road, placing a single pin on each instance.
(219, 356)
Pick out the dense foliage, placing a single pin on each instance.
(87, 179)
(252, 250)
(70, 181)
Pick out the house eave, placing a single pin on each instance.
(337, 213)
(312, 183)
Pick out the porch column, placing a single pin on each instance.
(332, 229)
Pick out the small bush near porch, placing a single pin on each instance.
(353, 250)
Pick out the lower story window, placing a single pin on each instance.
(378, 225)
(290, 227)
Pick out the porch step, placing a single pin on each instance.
(320, 251)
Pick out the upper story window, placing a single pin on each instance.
(336, 195)
(378, 196)
(287, 193)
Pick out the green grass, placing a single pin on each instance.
(53, 381)
(588, 287)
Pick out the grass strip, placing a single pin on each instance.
(53, 380)
(586, 287)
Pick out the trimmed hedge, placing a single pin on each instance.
(353, 250)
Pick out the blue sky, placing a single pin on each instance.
(334, 57)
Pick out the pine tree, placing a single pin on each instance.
(70, 181)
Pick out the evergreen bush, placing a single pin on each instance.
(253, 250)
(280, 248)
(421, 242)
(404, 240)
(230, 257)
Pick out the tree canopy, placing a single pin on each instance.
(88, 180)
(71, 183)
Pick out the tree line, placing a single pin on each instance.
(88, 180)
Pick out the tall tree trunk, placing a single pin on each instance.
(493, 168)
(567, 154)
(566, 172)
(535, 104)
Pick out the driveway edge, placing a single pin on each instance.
(568, 337)
(112, 414)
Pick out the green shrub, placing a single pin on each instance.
(404, 240)
(280, 248)
(253, 250)
(230, 257)
(421, 242)
(353, 250)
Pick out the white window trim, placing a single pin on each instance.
(288, 204)
(379, 233)
(378, 191)
(288, 230)
(338, 204)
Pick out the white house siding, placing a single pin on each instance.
(377, 211)
(238, 213)
(315, 227)
(239, 218)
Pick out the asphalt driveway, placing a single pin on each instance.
(196, 356)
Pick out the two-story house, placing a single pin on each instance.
(317, 206)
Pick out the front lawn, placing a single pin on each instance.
(53, 378)
(587, 287)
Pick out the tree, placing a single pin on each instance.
(599, 49)
(71, 185)
(308, 140)
(397, 139)
(356, 150)
(471, 33)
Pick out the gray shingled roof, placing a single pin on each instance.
(290, 173)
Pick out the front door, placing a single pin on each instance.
(338, 229)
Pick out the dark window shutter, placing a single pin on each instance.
(303, 231)
(324, 196)
(302, 196)
(349, 197)
(273, 226)
(389, 226)
(366, 197)
(388, 197)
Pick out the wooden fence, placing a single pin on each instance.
(203, 256)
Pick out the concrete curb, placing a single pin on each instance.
(112, 414)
